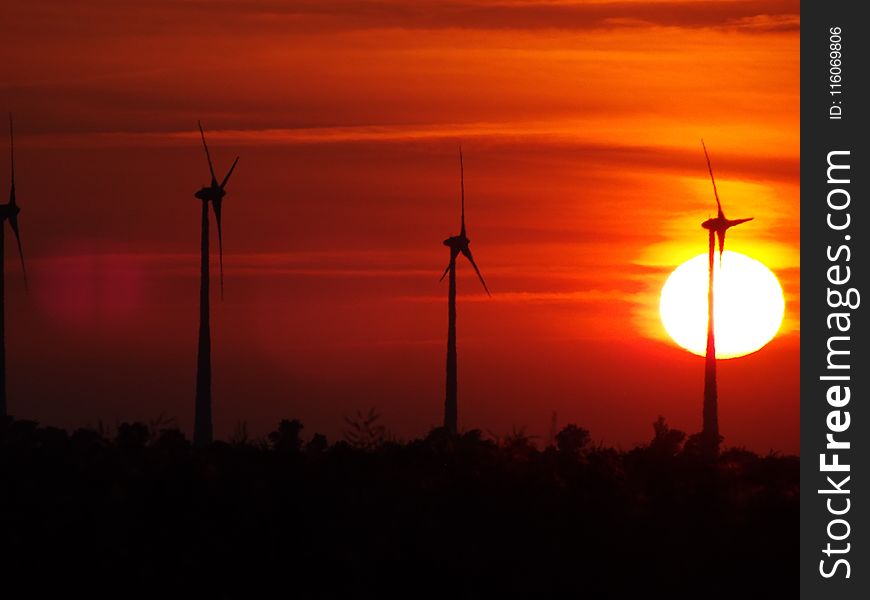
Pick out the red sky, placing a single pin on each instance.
(585, 183)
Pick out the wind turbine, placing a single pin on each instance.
(213, 193)
(458, 244)
(8, 212)
(717, 228)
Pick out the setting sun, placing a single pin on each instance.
(749, 305)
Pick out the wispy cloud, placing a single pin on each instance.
(547, 297)
(305, 15)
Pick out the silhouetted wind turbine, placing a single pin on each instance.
(8, 212)
(458, 244)
(214, 193)
(717, 227)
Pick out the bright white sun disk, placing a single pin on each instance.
(748, 305)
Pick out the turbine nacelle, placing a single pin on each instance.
(9, 211)
(721, 223)
(457, 242)
(215, 193)
(718, 225)
(210, 193)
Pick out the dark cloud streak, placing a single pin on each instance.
(318, 16)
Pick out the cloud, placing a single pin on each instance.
(549, 297)
(312, 16)
(485, 14)
(571, 139)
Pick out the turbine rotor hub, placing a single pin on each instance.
(457, 241)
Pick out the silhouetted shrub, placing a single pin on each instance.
(240, 436)
(701, 447)
(287, 438)
(448, 516)
(666, 442)
(132, 436)
(317, 444)
(86, 440)
(365, 433)
(172, 441)
(572, 440)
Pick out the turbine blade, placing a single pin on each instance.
(11, 162)
(720, 233)
(13, 223)
(452, 263)
(446, 270)
(207, 155)
(713, 179)
(230, 172)
(216, 206)
(739, 221)
(467, 253)
(462, 188)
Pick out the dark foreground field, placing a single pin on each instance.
(141, 514)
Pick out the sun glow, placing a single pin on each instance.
(749, 305)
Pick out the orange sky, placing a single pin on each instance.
(585, 181)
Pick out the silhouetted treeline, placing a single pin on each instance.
(140, 513)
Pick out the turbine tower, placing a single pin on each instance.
(458, 244)
(717, 228)
(213, 193)
(8, 212)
